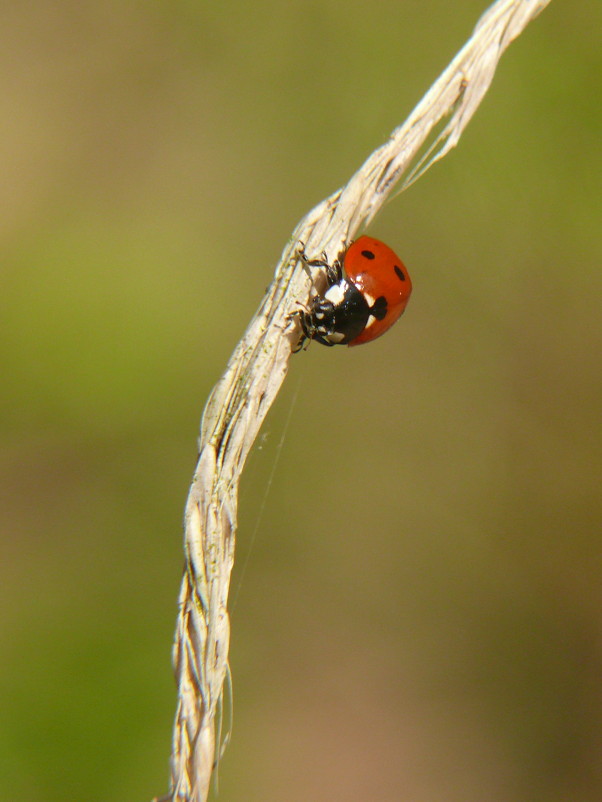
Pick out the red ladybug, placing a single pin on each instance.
(368, 289)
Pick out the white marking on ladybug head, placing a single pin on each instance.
(336, 293)
(335, 337)
(368, 298)
(369, 322)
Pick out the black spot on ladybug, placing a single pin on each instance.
(379, 308)
(368, 255)
(400, 274)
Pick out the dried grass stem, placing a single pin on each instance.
(239, 402)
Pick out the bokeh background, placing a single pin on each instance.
(417, 599)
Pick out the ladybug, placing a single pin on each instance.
(368, 289)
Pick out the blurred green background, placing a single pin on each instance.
(420, 614)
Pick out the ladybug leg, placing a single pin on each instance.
(291, 318)
(307, 329)
(302, 340)
(334, 271)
